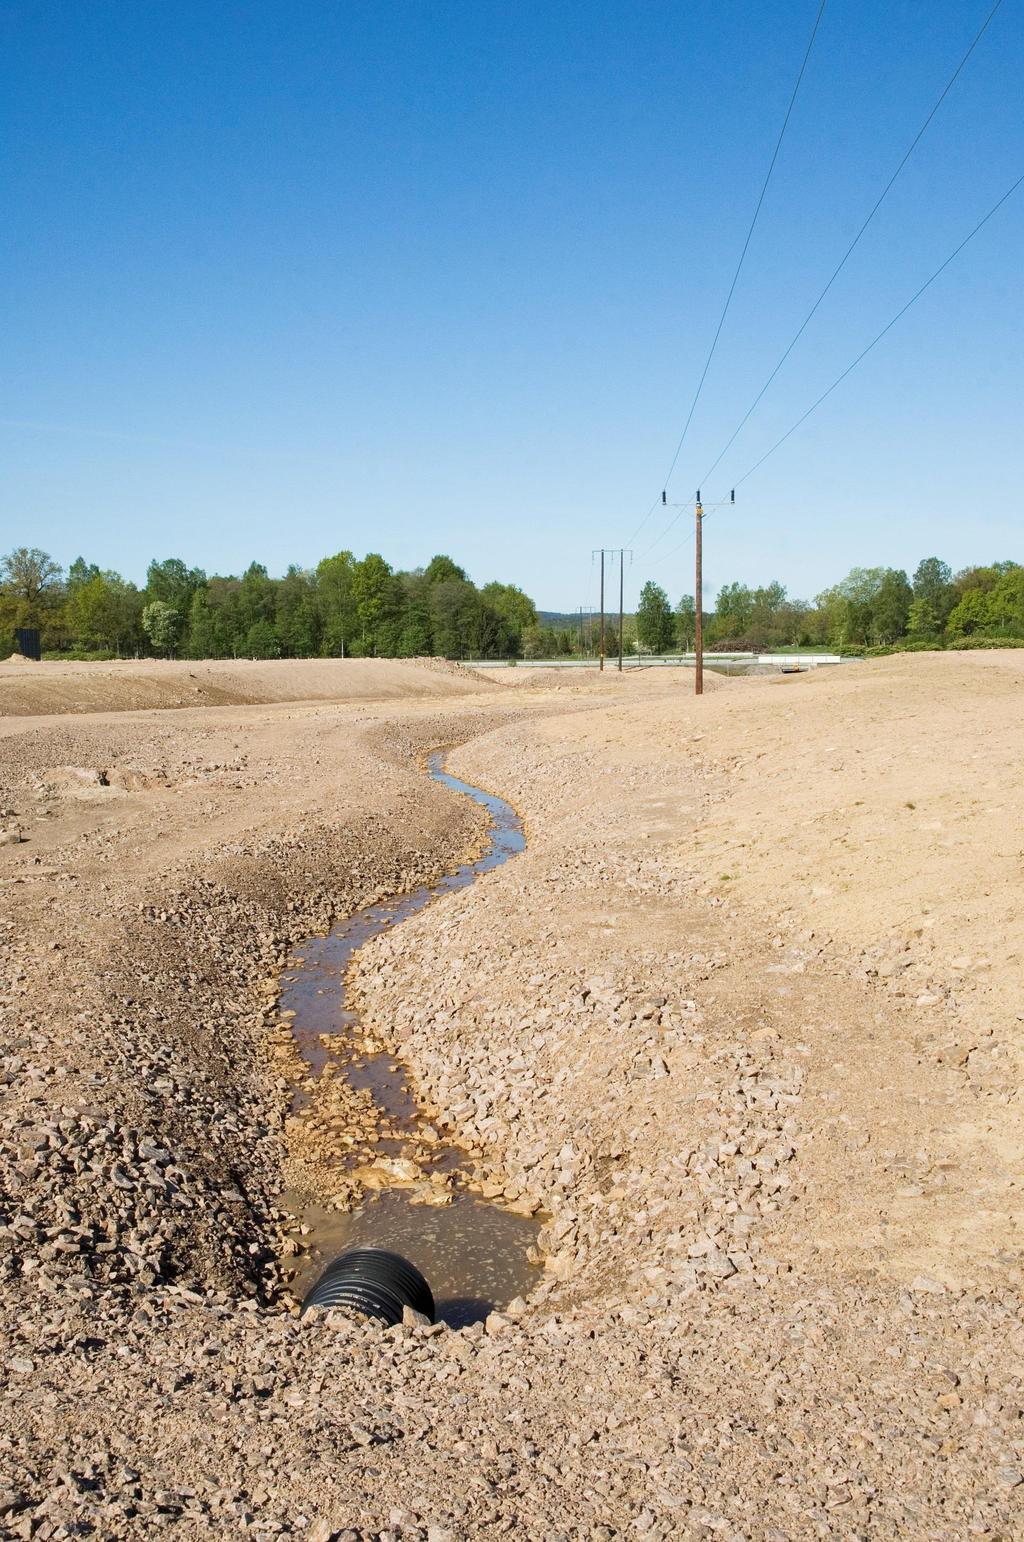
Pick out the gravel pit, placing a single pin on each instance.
(869, 1388)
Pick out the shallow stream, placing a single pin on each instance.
(474, 1252)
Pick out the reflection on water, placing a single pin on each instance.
(315, 989)
(472, 1251)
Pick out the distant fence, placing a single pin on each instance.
(668, 661)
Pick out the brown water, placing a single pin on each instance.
(473, 1252)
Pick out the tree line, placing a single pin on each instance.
(363, 607)
(344, 606)
(870, 608)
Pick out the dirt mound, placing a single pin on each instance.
(126, 685)
(18, 658)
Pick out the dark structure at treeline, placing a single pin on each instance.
(343, 606)
(363, 607)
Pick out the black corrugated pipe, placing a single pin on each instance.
(374, 1283)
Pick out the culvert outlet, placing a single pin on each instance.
(373, 1282)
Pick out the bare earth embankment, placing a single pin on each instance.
(124, 685)
(744, 1019)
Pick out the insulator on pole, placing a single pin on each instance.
(732, 496)
(664, 496)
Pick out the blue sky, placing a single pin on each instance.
(279, 280)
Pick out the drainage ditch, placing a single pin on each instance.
(476, 1254)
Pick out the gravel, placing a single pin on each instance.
(681, 1092)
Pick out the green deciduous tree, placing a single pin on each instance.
(416, 639)
(337, 605)
(933, 587)
(200, 630)
(655, 624)
(923, 619)
(765, 606)
(80, 572)
(173, 583)
(103, 611)
(261, 641)
(512, 605)
(732, 613)
(686, 622)
(162, 625)
(971, 614)
(850, 606)
(256, 597)
(1006, 603)
(453, 616)
(533, 642)
(891, 606)
(29, 587)
(296, 614)
(377, 598)
(441, 568)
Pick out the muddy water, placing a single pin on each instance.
(473, 1252)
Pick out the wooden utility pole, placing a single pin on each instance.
(698, 598)
(601, 665)
(698, 602)
(611, 551)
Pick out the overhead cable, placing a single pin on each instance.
(854, 243)
(739, 266)
(874, 341)
(887, 328)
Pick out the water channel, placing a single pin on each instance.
(473, 1252)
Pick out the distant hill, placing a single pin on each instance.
(561, 619)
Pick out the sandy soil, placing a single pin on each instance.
(29, 689)
(744, 1019)
(577, 677)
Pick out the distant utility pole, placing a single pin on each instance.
(611, 551)
(698, 601)
(602, 609)
(698, 598)
(622, 562)
(593, 555)
(583, 611)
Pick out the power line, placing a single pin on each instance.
(646, 517)
(855, 242)
(746, 243)
(865, 351)
(845, 258)
(887, 328)
(739, 265)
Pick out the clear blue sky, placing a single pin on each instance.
(282, 279)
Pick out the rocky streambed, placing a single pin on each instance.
(369, 1165)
